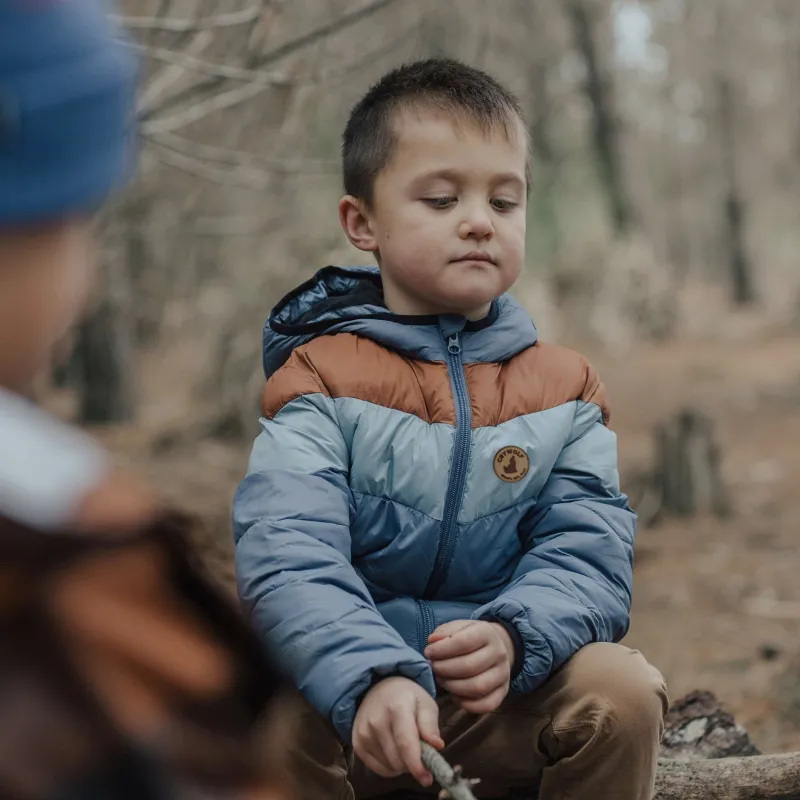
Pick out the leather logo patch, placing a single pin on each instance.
(511, 464)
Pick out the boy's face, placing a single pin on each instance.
(45, 275)
(447, 222)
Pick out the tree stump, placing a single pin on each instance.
(686, 476)
(688, 466)
(697, 726)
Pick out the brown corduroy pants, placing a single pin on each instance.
(591, 732)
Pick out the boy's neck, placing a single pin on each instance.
(398, 302)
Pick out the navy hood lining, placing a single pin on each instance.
(373, 280)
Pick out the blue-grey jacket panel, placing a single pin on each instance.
(339, 520)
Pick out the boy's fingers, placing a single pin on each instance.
(479, 686)
(467, 666)
(464, 641)
(373, 763)
(391, 757)
(449, 628)
(428, 724)
(484, 705)
(406, 737)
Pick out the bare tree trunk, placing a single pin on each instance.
(544, 151)
(686, 477)
(105, 342)
(688, 466)
(605, 128)
(103, 356)
(739, 263)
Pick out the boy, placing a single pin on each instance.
(122, 673)
(432, 507)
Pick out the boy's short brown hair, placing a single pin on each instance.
(439, 84)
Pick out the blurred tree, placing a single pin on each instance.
(605, 129)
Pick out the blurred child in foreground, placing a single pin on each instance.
(122, 672)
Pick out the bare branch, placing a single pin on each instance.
(207, 68)
(344, 21)
(249, 179)
(160, 84)
(225, 155)
(198, 111)
(185, 25)
(375, 54)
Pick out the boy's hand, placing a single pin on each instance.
(393, 716)
(472, 660)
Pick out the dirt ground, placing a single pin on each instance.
(713, 601)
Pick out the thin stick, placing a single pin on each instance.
(346, 20)
(218, 102)
(207, 68)
(454, 787)
(185, 25)
(257, 180)
(241, 158)
(161, 83)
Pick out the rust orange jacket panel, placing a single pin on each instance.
(415, 470)
(345, 365)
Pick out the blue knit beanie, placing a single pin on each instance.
(66, 108)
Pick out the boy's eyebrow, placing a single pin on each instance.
(455, 176)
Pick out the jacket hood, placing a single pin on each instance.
(350, 300)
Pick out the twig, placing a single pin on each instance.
(198, 111)
(185, 25)
(250, 180)
(372, 56)
(225, 155)
(344, 21)
(207, 68)
(163, 80)
(454, 787)
(287, 49)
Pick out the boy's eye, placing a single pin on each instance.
(503, 205)
(439, 202)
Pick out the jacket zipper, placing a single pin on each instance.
(458, 471)
(426, 623)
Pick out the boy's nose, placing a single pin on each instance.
(476, 226)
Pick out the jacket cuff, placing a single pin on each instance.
(516, 638)
(537, 658)
(344, 711)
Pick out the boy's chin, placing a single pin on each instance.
(473, 307)
(470, 301)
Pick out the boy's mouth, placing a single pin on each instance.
(475, 255)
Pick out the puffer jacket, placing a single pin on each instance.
(415, 470)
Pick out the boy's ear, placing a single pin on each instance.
(356, 223)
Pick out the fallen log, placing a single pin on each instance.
(771, 777)
(707, 755)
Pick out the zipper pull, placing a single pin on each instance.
(453, 345)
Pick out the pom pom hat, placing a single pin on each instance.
(67, 128)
